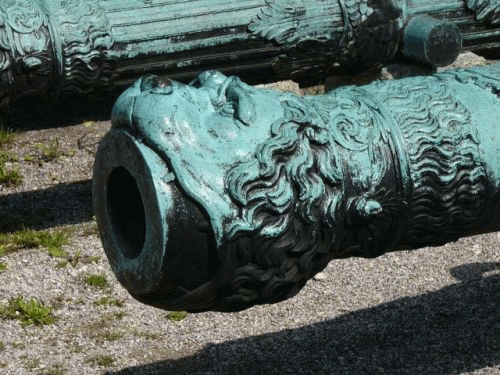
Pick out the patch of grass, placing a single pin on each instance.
(6, 156)
(56, 369)
(89, 229)
(102, 330)
(94, 258)
(18, 345)
(102, 360)
(53, 241)
(78, 257)
(31, 363)
(7, 137)
(2, 346)
(110, 336)
(51, 151)
(108, 301)
(147, 335)
(10, 177)
(176, 316)
(70, 152)
(28, 312)
(3, 267)
(93, 329)
(61, 264)
(97, 281)
(57, 252)
(73, 260)
(120, 314)
(28, 157)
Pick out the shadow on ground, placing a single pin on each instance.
(71, 110)
(449, 331)
(65, 203)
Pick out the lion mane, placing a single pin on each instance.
(289, 196)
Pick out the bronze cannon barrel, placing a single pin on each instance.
(219, 196)
(49, 47)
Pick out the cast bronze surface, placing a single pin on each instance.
(218, 196)
(49, 47)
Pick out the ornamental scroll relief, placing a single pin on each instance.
(26, 56)
(272, 186)
(96, 46)
(357, 32)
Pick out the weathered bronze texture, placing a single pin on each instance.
(53, 46)
(218, 196)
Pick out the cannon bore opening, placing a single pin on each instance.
(126, 212)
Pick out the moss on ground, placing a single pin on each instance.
(27, 312)
(176, 316)
(8, 176)
(109, 301)
(102, 360)
(98, 281)
(52, 241)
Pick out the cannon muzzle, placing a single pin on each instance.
(157, 239)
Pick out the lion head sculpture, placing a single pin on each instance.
(267, 172)
(217, 195)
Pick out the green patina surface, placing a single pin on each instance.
(257, 190)
(53, 46)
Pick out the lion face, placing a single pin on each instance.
(285, 181)
(202, 129)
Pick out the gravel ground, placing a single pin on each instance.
(430, 311)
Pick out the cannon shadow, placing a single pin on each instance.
(452, 330)
(65, 203)
(66, 111)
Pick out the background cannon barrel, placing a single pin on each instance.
(52, 46)
(218, 196)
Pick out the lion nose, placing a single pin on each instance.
(156, 84)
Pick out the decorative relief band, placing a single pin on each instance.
(27, 63)
(84, 34)
(347, 33)
(486, 10)
(290, 22)
(448, 176)
(355, 12)
(90, 45)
